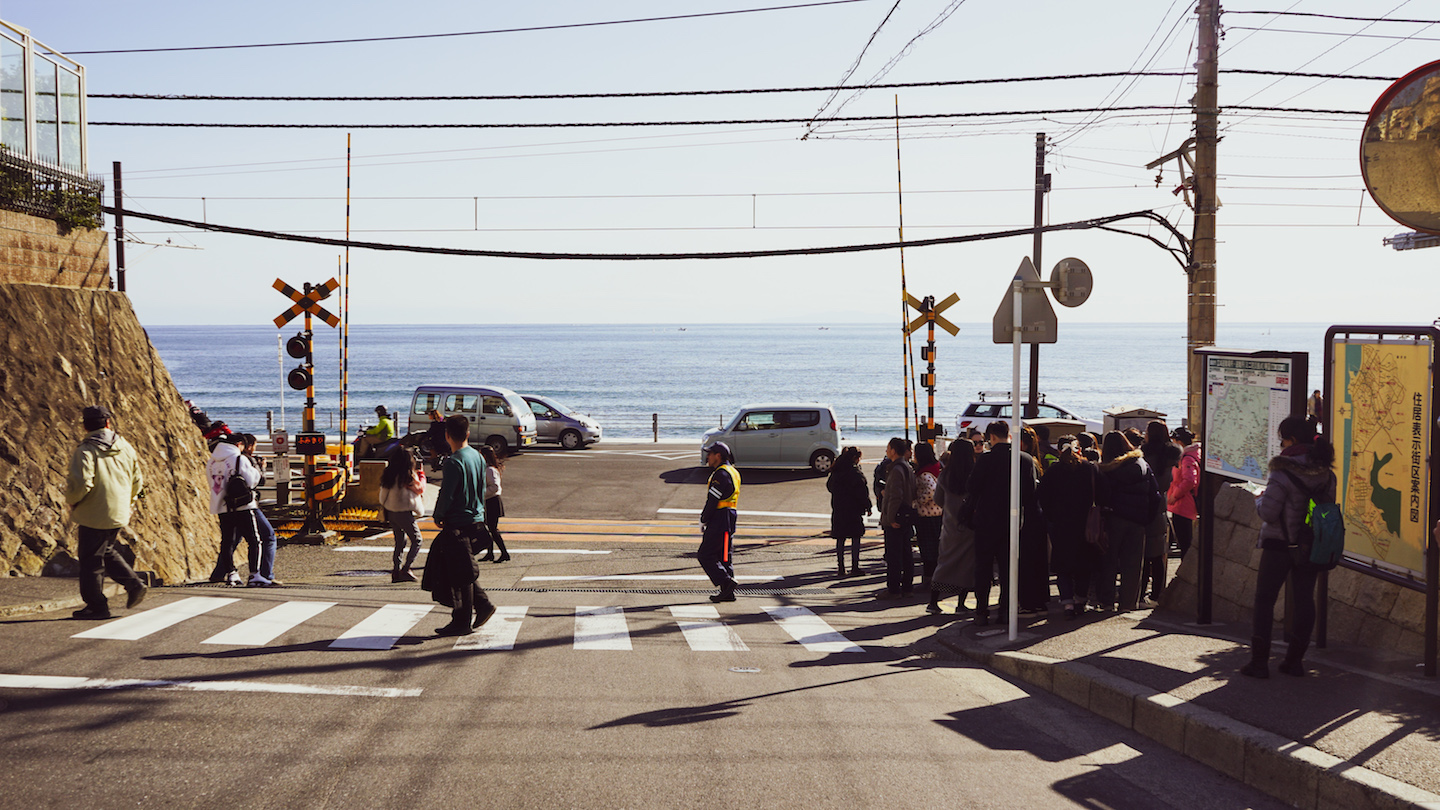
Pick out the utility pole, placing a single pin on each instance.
(119, 196)
(1042, 185)
(1200, 293)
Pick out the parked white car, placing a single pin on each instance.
(787, 435)
(993, 405)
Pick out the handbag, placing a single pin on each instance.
(1095, 528)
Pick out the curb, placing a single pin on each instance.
(48, 605)
(1286, 769)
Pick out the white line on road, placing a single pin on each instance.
(389, 550)
(810, 630)
(497, 634)
(142, 624)
(703, 630)
(642, 578)
(67, 682)
(259, 630)
(747, 513)
(601, 628)
(380, 629)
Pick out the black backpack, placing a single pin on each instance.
(237, 491)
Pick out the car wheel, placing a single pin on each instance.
(497, 443)
(570, 440)
(821, 461)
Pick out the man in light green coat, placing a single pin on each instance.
(104, 481)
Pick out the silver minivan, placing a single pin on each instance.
(785, 435)
(498, 416)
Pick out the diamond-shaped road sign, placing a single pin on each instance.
(1036, 314)
(307, 302)
(928, 314)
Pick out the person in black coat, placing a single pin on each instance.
(849, 504)
(1162, 455)
(1130, 498)
(988, 512)
(1067, 491)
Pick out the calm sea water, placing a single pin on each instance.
(692, 376)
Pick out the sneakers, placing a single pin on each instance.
(135, 597)
(233, 578)
(257, 581)
(403, 575)
(483, 614)
(90, 613)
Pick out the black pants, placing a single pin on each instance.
(467, 598)
(716, 545)
(899, 560)
(1183, 531)
(98, 557)
(494, 510)
(989, 554)
(854, 551)
(927, 538)
(1276, 569)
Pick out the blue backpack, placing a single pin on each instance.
(1321, 541)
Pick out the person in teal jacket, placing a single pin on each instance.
(104, 480)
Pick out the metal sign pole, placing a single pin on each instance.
(1018, 293)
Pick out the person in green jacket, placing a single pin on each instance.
(377, 436)
(104, 480)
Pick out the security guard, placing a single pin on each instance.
(717, 521)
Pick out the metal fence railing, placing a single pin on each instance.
(42, 189)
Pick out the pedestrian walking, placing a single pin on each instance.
(402, 491)
(1299, 475)
(955, 567)
(1067, 492)
(494, 506)
(102, 484)
(717, 521)
(1130, 499)
(451, 573)
(1180, 498)
(928, 513)
(989, 492)
(897, 519)
(1162, 455)
(849, 504)
(233, 475)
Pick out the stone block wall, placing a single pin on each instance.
(33, 251)
(60, 350)
(1363, 610)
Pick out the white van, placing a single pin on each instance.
(498, 416)
(781, 435)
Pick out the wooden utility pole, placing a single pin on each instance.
(1200, 297)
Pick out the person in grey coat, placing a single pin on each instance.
(896, 519)
(955, 572)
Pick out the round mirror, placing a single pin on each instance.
(1071, 282)
(1400, 153)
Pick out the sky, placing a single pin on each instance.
(1298, 237)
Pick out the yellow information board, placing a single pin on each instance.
(1380, 422)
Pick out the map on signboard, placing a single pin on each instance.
(1246, 398)
(1381, 429)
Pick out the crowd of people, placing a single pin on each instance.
(1099, 513)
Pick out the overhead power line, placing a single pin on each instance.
(1102, 223)
(1155, 108)
(526, 29)
(1334, 17)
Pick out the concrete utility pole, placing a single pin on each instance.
(1042, 185)
(1200, 296)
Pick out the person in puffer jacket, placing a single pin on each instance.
(1128, 494)
(103, 481)
(1300, 473)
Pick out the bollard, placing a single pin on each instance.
(857, 422)
(655, 426)
(269, 421)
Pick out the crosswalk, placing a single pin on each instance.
(595, 628)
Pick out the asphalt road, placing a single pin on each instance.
(584, 692)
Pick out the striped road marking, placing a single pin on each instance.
(140, 625)
(601, 628)
(380, 629)
(266, 627)
(810, 630)
(67, 682)
(703, 630)
(389, 550)
(497, 634)
(643, 578)
(747, 513)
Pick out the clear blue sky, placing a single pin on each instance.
(1299, 239)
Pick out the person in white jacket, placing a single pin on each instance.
(244, 520)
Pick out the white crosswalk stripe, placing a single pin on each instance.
(595, 628)
(140, 625)
(381, 629)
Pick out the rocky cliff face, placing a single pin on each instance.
(66, 348)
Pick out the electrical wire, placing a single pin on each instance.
(1333, 16)
(1338, 34)
(527, 29)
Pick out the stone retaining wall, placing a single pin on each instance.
(33, 251)
(1363, 610)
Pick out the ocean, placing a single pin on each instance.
(693, 377)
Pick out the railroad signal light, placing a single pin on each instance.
(299, 346)
(300, 377)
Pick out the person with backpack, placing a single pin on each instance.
(233, 477)
(1130, 497)
(1299, 477)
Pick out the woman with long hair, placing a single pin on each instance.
(955, 568)
(494, 506)
(929, 513)
(849, 503)
(1130, 498)
(402, 487)
(1067, 491)
(1300, 474)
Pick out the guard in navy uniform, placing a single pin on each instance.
(717, 521)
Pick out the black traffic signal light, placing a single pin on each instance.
(300, 377)
(299, 346)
